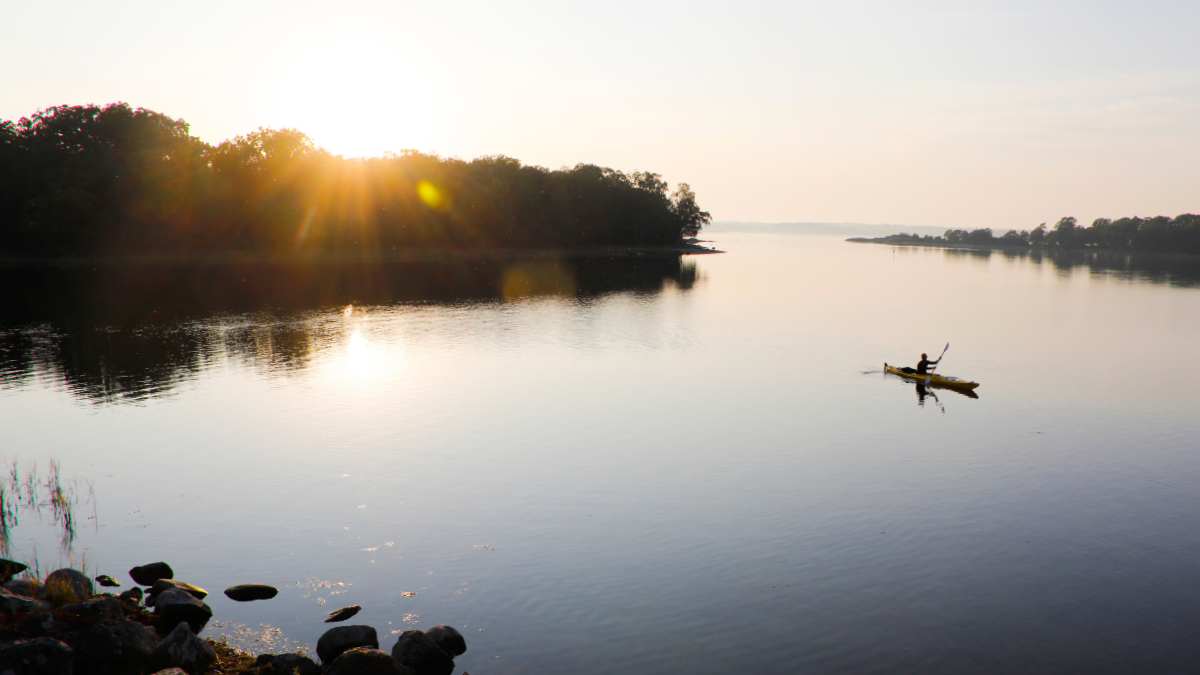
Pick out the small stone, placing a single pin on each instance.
(337, 640)
(68, 585)
(416, 650)
(448, 639)
(343, 613)
(147, 574)
(248, 592)
(26, 587)
(15, 603)
(107, 581)
(163, 584)
(39, 656)
(10, 569)
(288, 664)
(174, 605)
(171, 671)
(133, 595)
(365, 661)
(183, 649)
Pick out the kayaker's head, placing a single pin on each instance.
(924, 357)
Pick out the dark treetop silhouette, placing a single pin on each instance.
(84, 181)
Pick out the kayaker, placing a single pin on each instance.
(924, 364)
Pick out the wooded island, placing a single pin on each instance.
(87, 180)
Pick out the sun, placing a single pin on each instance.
(356, 101)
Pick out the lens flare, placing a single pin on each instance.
(430, 194)
(535, 279)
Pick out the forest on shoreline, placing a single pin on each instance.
(1160, 234)
(115, 181)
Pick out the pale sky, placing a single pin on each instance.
(985, 114)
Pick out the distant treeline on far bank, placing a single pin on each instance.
(113, 180)
(1180, 234)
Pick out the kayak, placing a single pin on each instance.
(932, 379)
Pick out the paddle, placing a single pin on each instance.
(939, 358)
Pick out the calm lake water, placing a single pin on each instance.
(639, 466)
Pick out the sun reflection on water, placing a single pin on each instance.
(359, 355)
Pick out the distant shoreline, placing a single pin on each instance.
(891, 240)
(422, 255)
(895, 240)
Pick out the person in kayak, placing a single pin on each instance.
(923, 366)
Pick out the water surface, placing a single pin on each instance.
(642, 466)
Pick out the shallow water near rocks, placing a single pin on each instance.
(642, 467)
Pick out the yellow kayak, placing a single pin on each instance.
(932, 379)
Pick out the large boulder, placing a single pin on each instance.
(39, 656)
(10, 569)
(94, 609)
(67, 585)
(174, 605)
(416, 650)
(113, 648)
(182, 649)
(449, 639)
(147, 574)
(366, 661)
(248, 592)
(286, 664)
(337, 640)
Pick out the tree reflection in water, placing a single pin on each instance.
(131, 334)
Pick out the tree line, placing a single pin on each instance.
(87, 179)
(1180, 234)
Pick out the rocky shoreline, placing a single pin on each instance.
(60, 625)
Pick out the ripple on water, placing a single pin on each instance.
(261, 639)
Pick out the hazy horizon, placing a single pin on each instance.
(1001, 115)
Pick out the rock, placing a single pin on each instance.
(146, 575)
(287, 664)
(365, 661)
(68, 585)
(163, 584)
(39, 656)
(15, 603)
(171, 671)
(181, 648)
(416, 650)
(107, 581)
(26, 587)
(95, 609)
(10, 569)
(337, 640)
(343, 613)
(174, 605)
(113, 648)
(449, 639)
(133, 595)
(248, 592)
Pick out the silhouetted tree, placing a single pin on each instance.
(84, 180)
